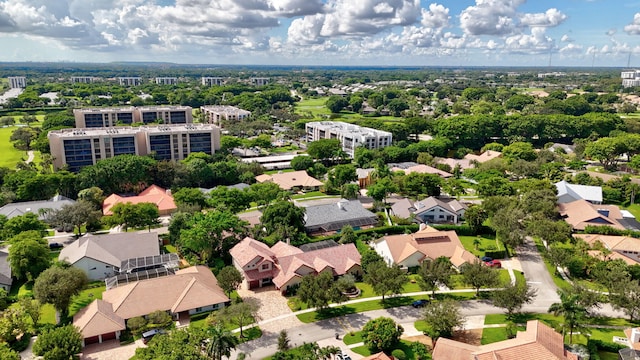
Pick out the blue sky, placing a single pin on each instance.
(324, 32)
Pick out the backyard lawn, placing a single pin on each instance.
(10, 155)
(487, 243)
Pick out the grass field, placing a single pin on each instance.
(317, 109)
(10, 155)
(404, 346)
(487, 242)
(85, 298)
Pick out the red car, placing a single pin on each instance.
(494, 263)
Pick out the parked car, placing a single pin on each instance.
(494, 263)
(486, 258)
(420, 303)
(147, 336)
(55, 245)
(346, 357)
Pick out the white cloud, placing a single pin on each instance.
(535, 42)
(436, 17)
(490, 17)
(634, 27)
(566, 38)
(552, 17)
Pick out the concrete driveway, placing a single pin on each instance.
(537, 276)
(272, 306)
(110, 350)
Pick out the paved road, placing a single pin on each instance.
(537, 275)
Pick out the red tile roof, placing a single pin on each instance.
(153, 194)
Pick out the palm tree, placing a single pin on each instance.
(220, 342)
(570, 307)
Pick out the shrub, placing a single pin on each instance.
(399, 354)
(496, 254)
(137, 324)
(159, 319)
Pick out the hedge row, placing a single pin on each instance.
(594, 345)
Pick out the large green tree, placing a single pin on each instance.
(212, 233)
(77, 214)
(573, 312)
(181, 344)
(478, 275)
(324, 148)
(60, 343)
(434, 273)
(384, 279)
(240, 314)
(229, 278)
(130, 215)
(442, 317)
(28, 255)
(57, 285)
(219, 343)
(381, 334)
(26, 222)
(512, 297)
(283, 219)
(319, 290)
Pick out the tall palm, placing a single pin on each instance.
(570, 307)
(220, 343)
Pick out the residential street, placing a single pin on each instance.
(537, 276)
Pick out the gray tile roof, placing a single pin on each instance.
(333, 216)
(111, 249)
(5, 269)
(20, 208)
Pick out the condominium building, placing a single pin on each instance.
(259, 81)
(109, 117)
(130, 81)
(77, 148)
(104, 117)
(212, 81)
(83, 79)
(215, 114)
(176, 142)
(17, 82)
(164, 114)
(630, 78)
(350, 136)
(166, 80)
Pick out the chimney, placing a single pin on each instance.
(635, 335)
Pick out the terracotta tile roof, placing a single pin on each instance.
(423, 169)
(249, 249)
(153, 194)
(484, 157)
(464, 163)
(111, 249)
(581, 213)
(189, 288)
(289, 180)
(430, 243)
(339, 258)
(378, 356)
(98, 318)
(538, 342)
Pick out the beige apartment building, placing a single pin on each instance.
(166, 80)
(212, 81)
(83, 79)
(74, 149)
(216, 113)
(130, 81)
(109, 117)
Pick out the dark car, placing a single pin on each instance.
(486, 259)
(420, 303)
(147, 336)
(56, 245)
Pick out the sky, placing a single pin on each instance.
(325, 32)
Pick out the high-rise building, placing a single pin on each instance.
(350, 136)
(212, 81)
(17, 82)
(166, 80)
(109, 117)
(83, 79)
(259, 81)
(76, 148)
(630, 78)
(130, 81)
(216, 113)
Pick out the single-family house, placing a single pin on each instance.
(284, 265)
(190, 291)
(328, 218)
(5, 272)
(452, 163)
(101, 256)
(625, 248)
(568, 192)
(37, 207)
(431, 210)
(537, 342)
(411, 167)
(581, 213)
(484, 157)
(409, 250)
(153, 194)
(289, 180)
(364, 177)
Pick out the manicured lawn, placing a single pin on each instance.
(10, 155)
(601, 334)
(607, 355)
(420, 325)
(634, 209)
(271, 172)
(353, 339)
(491, 335)
(47, 314)
(404, 346)
(553, 320)
(170, 249)
(310, 195)
(487, 242)
(85, 298)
